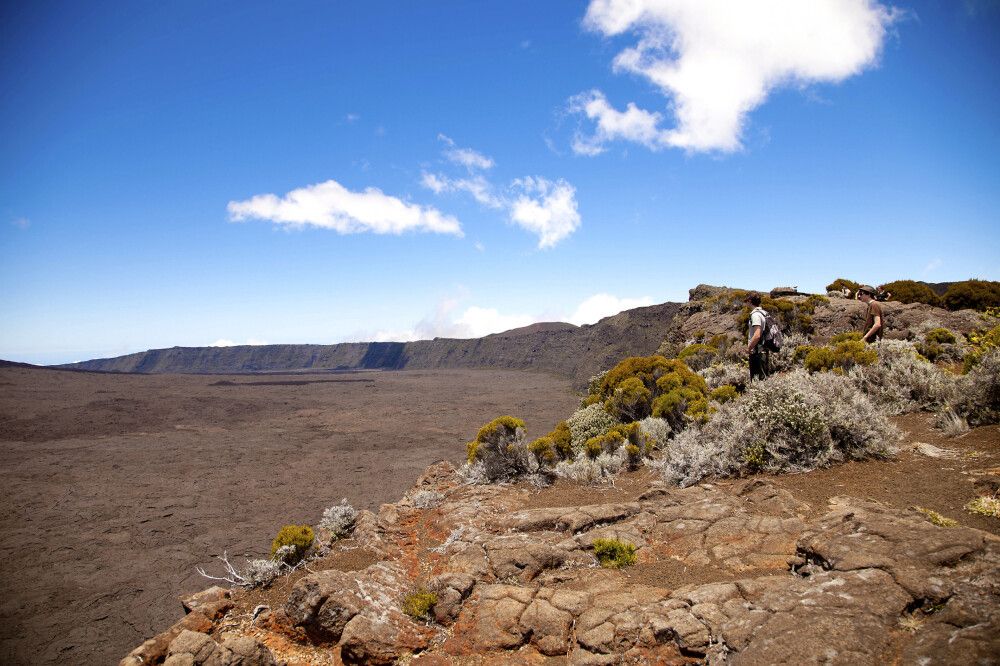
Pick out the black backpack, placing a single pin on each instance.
(772, 338)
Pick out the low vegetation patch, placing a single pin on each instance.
(984, 506)
(614, 554)
(791, 422)
(292, 541)
(419, 604)
(339, 519)
(937, 518)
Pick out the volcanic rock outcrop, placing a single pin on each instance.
(734, 572)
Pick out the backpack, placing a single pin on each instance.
(772, 338)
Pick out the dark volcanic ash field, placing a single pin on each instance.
(115, 487)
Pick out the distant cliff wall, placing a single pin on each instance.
(577, 352)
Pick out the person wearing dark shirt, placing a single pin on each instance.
(874, 317)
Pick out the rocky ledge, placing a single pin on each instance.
(737, 572)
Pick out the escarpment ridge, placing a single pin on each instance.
(562, 349)
(575, 352)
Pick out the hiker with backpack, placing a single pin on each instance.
(763, 337)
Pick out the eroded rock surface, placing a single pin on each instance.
(853, 583)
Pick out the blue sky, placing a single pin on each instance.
(191, 173)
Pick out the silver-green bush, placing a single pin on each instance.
(789, 423)
(901, 381)
(589, 422)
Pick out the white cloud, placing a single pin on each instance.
(330, 205)
(541, 206)
(352, 117)
(467, 157)
(633, 124)
(932, 266)
(451, 320)
(717, 60)
(477, 322)
(600, 306)
(545, 208)
(21, 223)
(477, 186)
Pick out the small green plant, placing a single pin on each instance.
(562, 440)
(984, 506)
(298, 537)
(753, 456)
(419, 604)
(937, 518)
(846, 337)
(725, 393)
(698, 356)
(544, 450)
(940, 336)
(594, 446)
(634, 454)
(614, 554)
(981, 343)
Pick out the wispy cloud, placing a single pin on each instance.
(467, 157)
(932, 266)
(352, 117)
(477, 186)
(452, 318)
(21, 223)
(329, 205)
(545, 208)
(716, 61)
(599, 306)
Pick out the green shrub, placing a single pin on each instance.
(633, 434)
(841, 357)
(562, 440)
(634, 454)
(911, 291)
(840, 283)
(499, 447)
(850, 336)
(544, 451)
(614, 554)
(940, 336)
(698, 356)
(594, 447)
(298, 537)
(419, 604)
(981, 344)
(630, 400)
(725, 393)
(753, 456)
(974, 294)
(641, 386)
(588, 422)
(682, 397)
